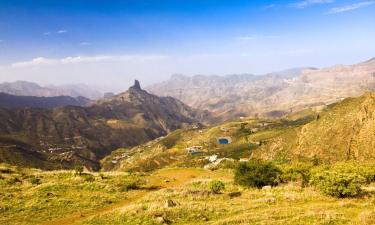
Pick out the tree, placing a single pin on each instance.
(257, 174)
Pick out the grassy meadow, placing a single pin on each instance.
(169, 196)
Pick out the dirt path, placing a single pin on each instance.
(163, 179)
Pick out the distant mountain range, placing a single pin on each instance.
(61, 137)
(269, 95)
(14, 101)
(24, 88)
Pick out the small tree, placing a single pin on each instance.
(217, 186)
(338, 184)
(256, 174)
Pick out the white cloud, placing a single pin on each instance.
(307, 3)
(55, 32)
(85, 43)
(350, 7)
(41, 61)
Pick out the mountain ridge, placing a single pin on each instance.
(74, 134)
(25, 88)
(273, 94)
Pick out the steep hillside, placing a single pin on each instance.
(193, 145)
(344, 131)
(270, 95)
(85, 134)
(24, 88)
(13, 101)
(338, 132)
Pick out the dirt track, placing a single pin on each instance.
(175, 177)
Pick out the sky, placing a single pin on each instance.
(110, 43)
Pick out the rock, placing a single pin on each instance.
(268, 187)
(160, 220)
(170, 203)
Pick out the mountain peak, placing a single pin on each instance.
(136, 85)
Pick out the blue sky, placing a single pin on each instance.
(109, 43)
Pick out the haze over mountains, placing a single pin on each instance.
(272, 94)
(51, 132)
(14, 101)
(25, 88)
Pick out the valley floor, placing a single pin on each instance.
(63, 197)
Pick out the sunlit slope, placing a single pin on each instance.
(343, 131)
(246, 136)
(339, 132)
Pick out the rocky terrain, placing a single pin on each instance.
(74, 134)
(270, 95)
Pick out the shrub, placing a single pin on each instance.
(132, 183)
(88, 177)
(35, 180)
(256, 174)
(217, 186)
(338, 184)
(78, 169)
(14, 180)
(365, 170)
(296, 173)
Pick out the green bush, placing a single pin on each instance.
(339, 184)
(88, 177)
(35, 180)
(216, 186)
(365, 170)
(256, 174)
(296, 173)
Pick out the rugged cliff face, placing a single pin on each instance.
(86, 134)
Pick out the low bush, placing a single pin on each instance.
(35, 180)
(88, 177)
(296, 173)
(338, 183)
(216, 186)
(257, 174)
(132, 183)
(365, 170)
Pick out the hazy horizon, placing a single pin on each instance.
(109, 44)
